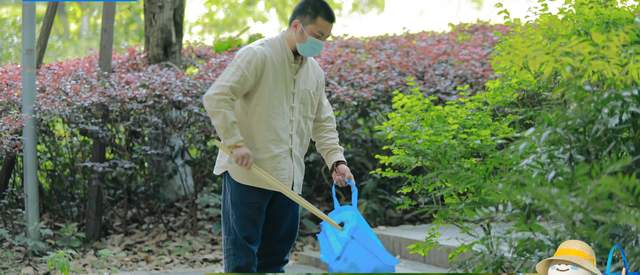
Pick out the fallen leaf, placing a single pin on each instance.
(28, 271)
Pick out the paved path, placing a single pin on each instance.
(291, 268)
(395, 239)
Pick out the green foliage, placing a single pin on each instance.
(577, 73)
(599, 204)
(9, 260)
(36, 247)
(69, 237)
(60, 261)
(430, 242)
(566, 102)
(230, 43)
(10, 41)
(448, 154)
(76, 29)
(452, 161)
(224, 17)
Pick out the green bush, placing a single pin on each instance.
(576, 74)
(60, 261)
(448, 152)
(451, 161)
(566, 101)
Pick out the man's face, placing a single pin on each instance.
(319, 29)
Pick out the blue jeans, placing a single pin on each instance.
(259, 228)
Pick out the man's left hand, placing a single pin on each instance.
(340, 175)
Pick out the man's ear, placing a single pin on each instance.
(295, 25)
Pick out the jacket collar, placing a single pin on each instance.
(287, 51)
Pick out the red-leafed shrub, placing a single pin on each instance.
(10, 120)
(439, 62)
(147, 115)
(142, 113)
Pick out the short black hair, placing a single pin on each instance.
(308, 11)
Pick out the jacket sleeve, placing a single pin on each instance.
(324, 132)
(235, 81)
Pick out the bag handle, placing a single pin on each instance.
(354, 194)
(610, 259)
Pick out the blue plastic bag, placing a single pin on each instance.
(625, 263)
(355, 249)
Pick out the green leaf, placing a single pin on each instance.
(599, 38)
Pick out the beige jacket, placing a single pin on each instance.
(275, 107)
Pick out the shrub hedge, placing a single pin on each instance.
(140, 110)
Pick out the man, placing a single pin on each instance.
(266, 107)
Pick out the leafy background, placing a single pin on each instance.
(530, 124)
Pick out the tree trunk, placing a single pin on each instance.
(41, 47)
(163, 30)
(30, 140)
(95, 206)
(45, 31)
(6, 172)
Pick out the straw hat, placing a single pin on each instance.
(574, 251)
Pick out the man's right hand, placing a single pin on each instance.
(242, 157)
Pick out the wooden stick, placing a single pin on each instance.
(276, 184)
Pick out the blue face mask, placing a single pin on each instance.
(311, 47)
